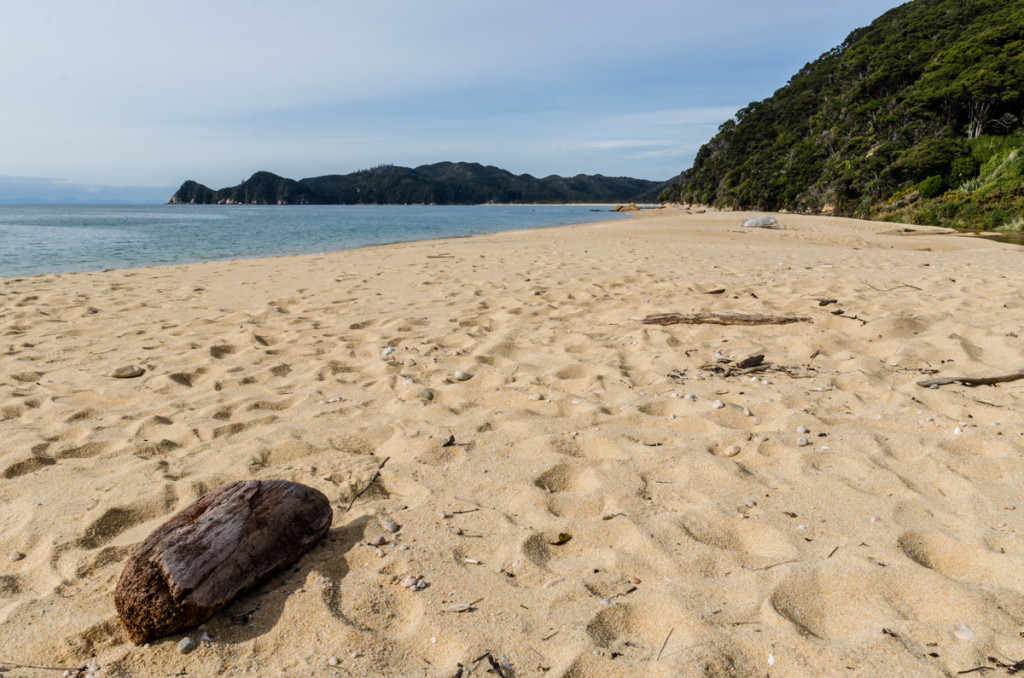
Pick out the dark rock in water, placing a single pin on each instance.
(223, 544)
(764, 222)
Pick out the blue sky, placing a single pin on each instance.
(126, 93)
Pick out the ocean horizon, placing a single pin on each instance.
(39, 239)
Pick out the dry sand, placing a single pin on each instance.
(889, 545)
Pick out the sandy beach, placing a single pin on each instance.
(599, 493)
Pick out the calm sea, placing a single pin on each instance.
(63, 238)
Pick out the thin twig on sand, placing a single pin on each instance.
(971, 381)
(720, 318)
(372, 481)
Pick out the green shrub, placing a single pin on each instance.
(932, 187)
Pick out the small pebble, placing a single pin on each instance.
(388, 351)
(803, 429)
(409, 582)
(606, 602)
(717, 405)
(186, 645)
(462, 375)
(577, 401)
(751, 503)
(731, 451)
(747, 412)
(1010, 507)
(380, 554)
(801, 527)
(391, 527)
(536, 396)
(16, 556)
(410, 362)
(689, 396)
(378, 541)
(957, 431)
(760, 439)
(802, 442)
(425, 395)
(964, 632)
(128, 372)
(333, 661)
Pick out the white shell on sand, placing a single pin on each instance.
(128, 372)
(186, 645)
(731, 451)
(717, 405)
(964, 632)
(462, 375)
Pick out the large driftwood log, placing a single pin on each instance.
(223, 544)
(972, 381)
(717, 318)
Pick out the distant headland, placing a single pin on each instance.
(444, 183)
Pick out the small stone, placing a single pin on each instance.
(751, 503)
(802, 442)
(186, 645)
(731, 451)
(803, 429)
(16, 556)
(462, 375)
(409, 362)
(378, 541)
(388, 351)
(689, 396)
(391, 527)
(747, 412)
(409, 582)
(403, 547)
(92, 668)
(333, 661)
(426, 395)
(1010, 507)
(380, 554)
(536, 396)
(760, 439)
(128, 372)
(717, 405)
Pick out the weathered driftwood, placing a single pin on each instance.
(223, 544)
(717, 318)
(971, 381)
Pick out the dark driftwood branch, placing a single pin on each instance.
(719, 318)
(77, 669)
(971, 381)
(372, 481)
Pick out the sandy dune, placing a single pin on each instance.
(891, 544)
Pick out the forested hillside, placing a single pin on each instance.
(916, 117)
(445, 183)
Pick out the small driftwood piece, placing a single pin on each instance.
(720, 318)
(223, 544)
(971, 381)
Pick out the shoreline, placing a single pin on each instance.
(704, 535)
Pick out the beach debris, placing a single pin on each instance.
(358, 494)
(186, 645)
(15, 556)
(128, 372)
(764, 222)
(462, 607)
(449, 441)
(971, 381)
(563, 538)
(720, 318)
(225, 542)
(463, 375)
(391, 526)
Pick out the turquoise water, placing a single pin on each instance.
(65, 238)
